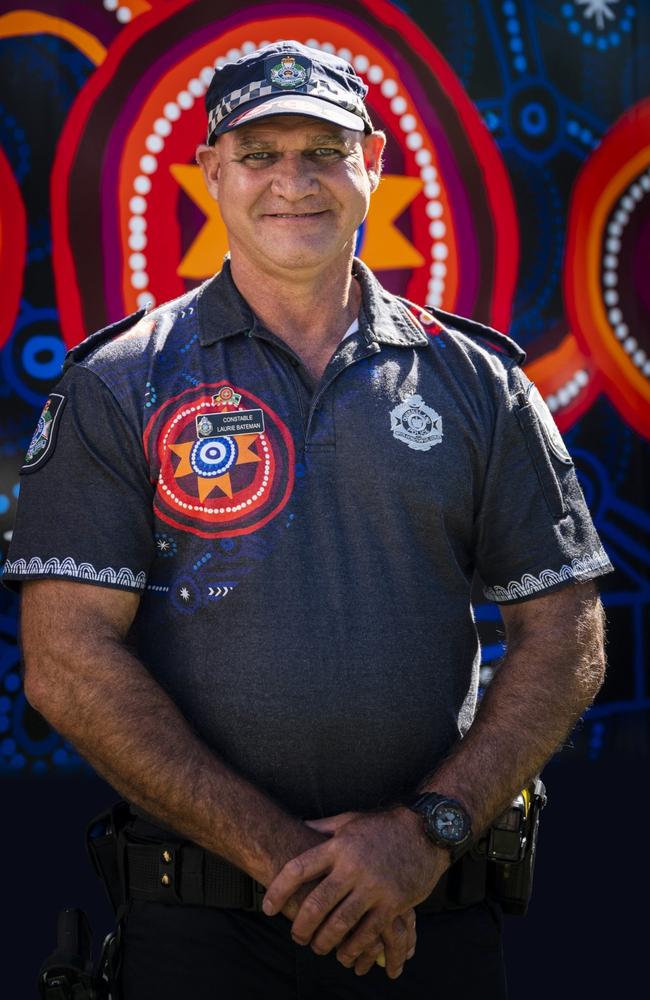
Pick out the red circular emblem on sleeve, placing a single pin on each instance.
(225, 461)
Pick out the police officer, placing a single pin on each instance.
(246, 538)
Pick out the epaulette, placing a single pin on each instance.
(422, 317)
(478, 331)
(83, 349)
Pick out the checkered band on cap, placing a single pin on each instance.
(260, 88)
(231, 101)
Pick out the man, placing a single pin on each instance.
(248, 528)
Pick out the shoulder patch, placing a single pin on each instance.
(42, 444)
(100, 337)
(551, 432)
(478, 331)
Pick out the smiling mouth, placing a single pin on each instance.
(295, 215)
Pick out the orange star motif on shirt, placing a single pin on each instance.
(206, 484)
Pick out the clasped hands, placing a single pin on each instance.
(371, 871)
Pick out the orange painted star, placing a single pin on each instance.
(384, 245)
(206, 484)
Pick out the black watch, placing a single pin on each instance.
(446, 823)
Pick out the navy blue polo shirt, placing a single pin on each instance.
(305, 554)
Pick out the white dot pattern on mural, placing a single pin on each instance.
(406, 121)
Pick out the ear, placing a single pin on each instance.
(373, 147)
(209, 160)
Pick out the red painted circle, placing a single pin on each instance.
(13, 245)
(240, 498)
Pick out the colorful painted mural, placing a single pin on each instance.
(516, 191)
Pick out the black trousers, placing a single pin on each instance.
(204, 953)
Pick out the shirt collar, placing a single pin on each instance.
(382, 318)
(222, 310)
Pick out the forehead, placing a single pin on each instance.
(278, 128)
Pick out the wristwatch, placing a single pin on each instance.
(446, 823)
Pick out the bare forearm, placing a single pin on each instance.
(108, 705)
(548, 678)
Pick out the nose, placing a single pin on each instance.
(294, 177)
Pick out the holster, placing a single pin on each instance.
(105, 843)
(500, 865)
(510, 874)
(68, 974)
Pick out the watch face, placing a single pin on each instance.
(449, 823)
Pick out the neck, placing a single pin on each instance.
(310, 312)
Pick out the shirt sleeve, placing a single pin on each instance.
(534, 531)
(85, 503)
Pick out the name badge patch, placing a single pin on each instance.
(240, 422)
(42, 444)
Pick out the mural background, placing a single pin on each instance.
(516, 191)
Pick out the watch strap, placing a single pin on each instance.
(428, 800)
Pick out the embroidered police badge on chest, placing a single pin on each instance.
(42, 444)
(416, 424)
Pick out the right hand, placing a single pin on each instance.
(390, 951)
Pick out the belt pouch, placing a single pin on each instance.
(104, 846)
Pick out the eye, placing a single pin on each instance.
(326, 152)
(258, 157)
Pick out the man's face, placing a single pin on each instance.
(292, 190)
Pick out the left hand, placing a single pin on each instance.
(374, 868)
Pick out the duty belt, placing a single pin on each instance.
(169, 873)
(187, 874)
(136, 865)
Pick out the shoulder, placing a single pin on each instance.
(467, 335)
(137, 335)
(84, 350)
(486, 337)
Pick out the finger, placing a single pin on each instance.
(330, 824)
(412, 934)
(290, 909)
(371, 957)
(363, 937)
(318, 915)
(339, 923)
(409, 919)
(322, 825)
(396, 940)
(295, 873)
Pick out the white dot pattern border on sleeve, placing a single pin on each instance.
(530, 584)
(123, 577)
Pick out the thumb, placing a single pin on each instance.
(330, 824)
